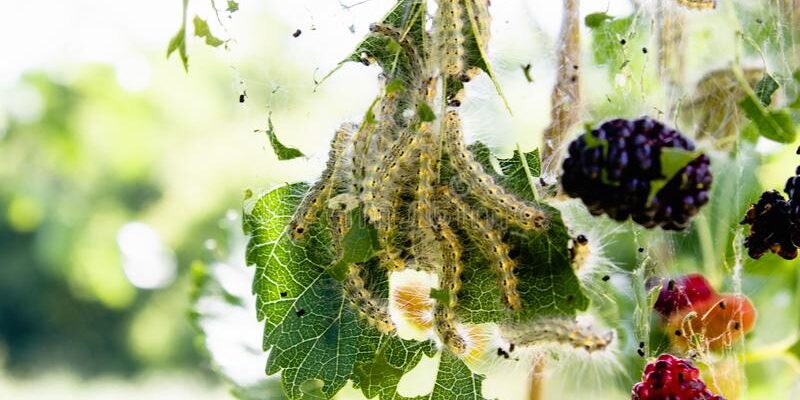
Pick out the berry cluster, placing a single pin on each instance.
(669, 377)
(613, 169)
(721, 319)
(775, 222)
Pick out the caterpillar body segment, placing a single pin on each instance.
(482, 21)
(452, 266)
(450, 280)
(482, 185)
(490, 241)
(424, 195)
(451, 36)
(559, 331)
(371, 309)
(388, 229)
(445, 325)
(388, 169)
(320, 192)
(698, 4)
(405, 41)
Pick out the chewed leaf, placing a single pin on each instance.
(383, 361)
(283, 152)
(607, 36)
(765, 88)
(202, 30)
(455, 381)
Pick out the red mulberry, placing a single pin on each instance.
(613, 167)
(671, 378)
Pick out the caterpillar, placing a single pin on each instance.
(482, 185)
(449, 279)
(698, 4)
(363, 301)
(385, 170)
(564, 331)
(481, 20)
(451, 36)
(494, 247)
(390, 256)
(379, 154)
(403, 39)
(423, 206)
(320, 192)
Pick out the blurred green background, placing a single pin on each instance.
(118, 169)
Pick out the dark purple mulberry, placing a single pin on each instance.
(775, 222)
(612, 168)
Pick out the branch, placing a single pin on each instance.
(566, 99)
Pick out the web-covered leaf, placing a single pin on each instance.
(609, 37)
(409, 17)
(546, 281)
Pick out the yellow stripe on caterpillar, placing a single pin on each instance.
(698, 4)
(491, 243)
(562, 331)
(363, 301)
(316, 197)
(482, 185)
(451, 36)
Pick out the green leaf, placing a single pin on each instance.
(546, 281)
(178, 42)
(406, 15)
(606, 44)
(359, 244)
(232, 6)
(202, 30)
(594, 20)
(302, 306)
(455, 381)
(672, 161)
(382, 362)
(765, 88)
(514, 176)
(775, 125)
(475, 49)
(425, 112)
(281, 151)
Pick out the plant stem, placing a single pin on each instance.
(537, 383)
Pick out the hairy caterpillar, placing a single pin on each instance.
(386, 171)
(379, 154)
(403, 39)
(451, 36)
(494, 247)
(562, 331)
(698, 4)
(482, 185)
(365, 303)
(450, 280)
(423, 206)
(316, 197)
(390, 256)
(479, 12)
